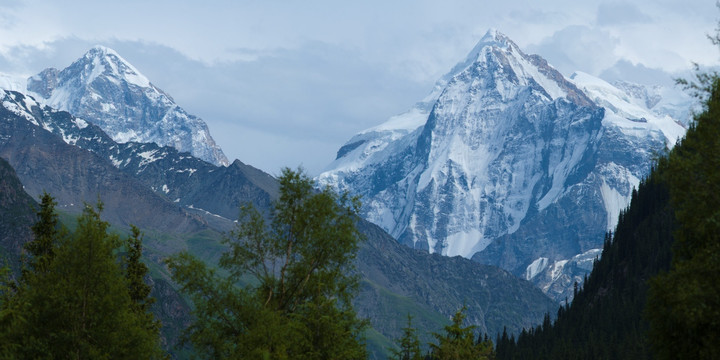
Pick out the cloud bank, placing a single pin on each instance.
(283, 83)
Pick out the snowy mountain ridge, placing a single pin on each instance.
(496, 78)
(195, 185)
(107, 90)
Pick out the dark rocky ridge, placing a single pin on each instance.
(44, 162)
(17, 211)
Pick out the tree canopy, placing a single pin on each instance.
(287, 286)
(73, 301)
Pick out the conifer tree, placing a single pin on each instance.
(47, 233)
(409, 344)
(8, 313)
(135, 272)
(458, 342)
(684, 304)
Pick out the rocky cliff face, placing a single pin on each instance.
(506, 161)
(103, 88)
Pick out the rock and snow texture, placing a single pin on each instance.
(506, 160)
(107, 90)
(558, 279)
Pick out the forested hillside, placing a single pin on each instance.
(605, 319)
(655, 292)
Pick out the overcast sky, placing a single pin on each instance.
(286, 83)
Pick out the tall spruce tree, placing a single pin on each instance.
(288, 291)
(135, 272)
(47, 231)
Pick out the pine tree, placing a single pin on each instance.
(135, 272)
(47, 233)
(296, 301)
(409, 344)
(8, 313)
(458, 342)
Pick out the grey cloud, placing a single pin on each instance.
(637, 73)
(578, 47)
(314, 97)
(620, 13)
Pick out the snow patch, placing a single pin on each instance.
(407, 122)
(148, 157)
(115, 161)
(19, 111)
(465, 244)
(205, 211)
(107, 107)
(191, 171)
(125, 136)
(81, 124)
(557, 269)
(536, 267)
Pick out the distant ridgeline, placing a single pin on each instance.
(655, 292)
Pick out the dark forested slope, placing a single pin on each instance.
(655, 292)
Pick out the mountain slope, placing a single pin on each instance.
(394, 273)
(188, 181)
(17, 214)
(106, 90)
(613, 298)
(76, 157)
(506, 161)
(44, 162)
(631, 302)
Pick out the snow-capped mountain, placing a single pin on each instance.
(506, 161)
(159, 188)
(185, 180)
(106, 90)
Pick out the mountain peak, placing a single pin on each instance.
(101, 50)
(108, 91)
(494, 37)
(102, 60)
